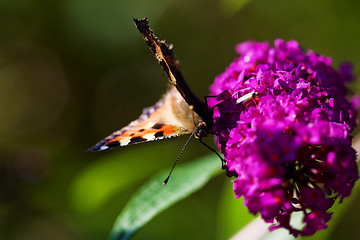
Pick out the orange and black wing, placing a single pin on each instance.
(157, 122)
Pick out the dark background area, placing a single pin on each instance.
(73, 71)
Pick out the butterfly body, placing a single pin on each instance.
(177, 113)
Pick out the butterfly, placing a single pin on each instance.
(177, 113)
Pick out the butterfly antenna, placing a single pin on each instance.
(214, 151)
(177, 159)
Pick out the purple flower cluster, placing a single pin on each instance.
(289, 142)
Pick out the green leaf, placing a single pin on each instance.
(152, 198)
(112, 173)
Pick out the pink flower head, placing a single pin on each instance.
(288, 141)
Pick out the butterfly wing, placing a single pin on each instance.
(169, 117)
(179, 112)
(171, 67)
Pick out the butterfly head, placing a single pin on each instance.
(201, 130)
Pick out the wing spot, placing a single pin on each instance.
(157, 126)
(159, 134)
(132, 134)
(141, 130)
(113, 144)
(137, 139)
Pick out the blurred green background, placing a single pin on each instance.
(73, 71)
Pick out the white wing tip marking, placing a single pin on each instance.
(103, 148)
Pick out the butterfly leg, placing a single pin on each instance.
(213, 150)
(227, 98)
